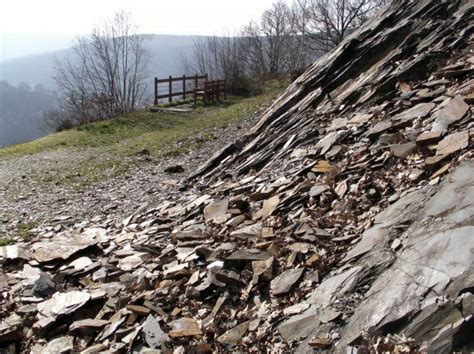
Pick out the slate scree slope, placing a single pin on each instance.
(344, 220)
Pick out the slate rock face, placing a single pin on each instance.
(435, 267)
(342, 221)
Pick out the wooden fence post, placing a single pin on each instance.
(156, 91)
(184, 87)
(225, 90)
(170, 99)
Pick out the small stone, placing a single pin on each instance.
(174, 169)
(44, 285)
(267, 232)
(396, 244)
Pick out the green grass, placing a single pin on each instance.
(5, 241)
(112, 147)
(23, 230)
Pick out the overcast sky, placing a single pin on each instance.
(66, 17)
(36, 26)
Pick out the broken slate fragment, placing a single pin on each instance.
(234, 335)
(131, 262)
(59, 346)
(14, 252)
(285, 281)
(154, 335)
(453, 143)
(428, 137)
(62, 246)
(216, 210)
(63, 304)
(296, 309)
(318, 190)
(230, 278)
(403, 150)
(248, 255)
(269, 206)
(299, 326)
(419, 111)
(254, 230)
(455, 110)
(262, 270)
(379, 128)
(87, 325)
(184, 327)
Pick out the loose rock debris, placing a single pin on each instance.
(342, 220)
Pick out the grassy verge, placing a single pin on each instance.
(23, 231)
(109, 148)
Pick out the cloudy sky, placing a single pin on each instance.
(35, 26)
(68, 17)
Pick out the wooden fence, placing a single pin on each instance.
(196, 86)
(212, 91)
(185, 82)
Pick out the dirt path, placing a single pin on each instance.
(24, 201)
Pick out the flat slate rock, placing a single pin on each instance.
(451, 113)
(62, 247)
(419, 111)
(234, 335)
(154, 335)
(283, 283)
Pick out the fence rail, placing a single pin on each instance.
(212, 91)
(196, 81)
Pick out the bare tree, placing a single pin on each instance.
(284, 41)
(271, 46)
(220, 57)
(325, 23)
(105, 75)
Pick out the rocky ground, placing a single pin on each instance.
(341, 221)
(26, 201)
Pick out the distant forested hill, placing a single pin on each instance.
(165, 50)
(27, 84)
(20, 111)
